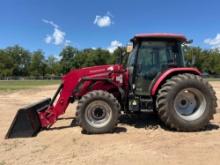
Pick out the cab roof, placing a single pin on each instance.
(178, 37)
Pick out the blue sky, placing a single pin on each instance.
(51, 24)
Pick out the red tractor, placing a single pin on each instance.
(155, 78)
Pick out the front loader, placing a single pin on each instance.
(155, 78)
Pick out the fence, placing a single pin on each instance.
(59, 77)
(31, 78)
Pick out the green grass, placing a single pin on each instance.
(8, 85)
(213, 79)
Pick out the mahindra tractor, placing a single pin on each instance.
(154, 79)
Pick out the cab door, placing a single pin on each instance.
(153, 57)
(131, 66)
(146, 69)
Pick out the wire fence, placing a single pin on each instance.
(59, 77)
(31, 78)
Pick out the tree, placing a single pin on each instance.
(95, 57)
(120, 51)
(20, 58)
(6, 64)
(53, 66)
(38, 65)
(67, 55)
(205, 60)
(91, 57)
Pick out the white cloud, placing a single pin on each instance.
(51, 23)
(103, 21)
(57, 37)
(114, 45)
(48, 39)
(213, 42)
(67, 42)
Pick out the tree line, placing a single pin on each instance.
(207, 61)
(18, 61)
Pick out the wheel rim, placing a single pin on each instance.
(190, 104)
(98, 113)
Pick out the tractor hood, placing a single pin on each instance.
(103, 68)
(100, 70)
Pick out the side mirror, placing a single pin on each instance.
(129, 48)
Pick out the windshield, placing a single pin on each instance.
(157, 54)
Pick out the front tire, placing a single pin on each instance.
(186, 102)
(98, 112)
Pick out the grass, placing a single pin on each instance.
(213, 79)
(8, 85)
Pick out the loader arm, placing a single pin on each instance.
(31, 119)
(69, 90)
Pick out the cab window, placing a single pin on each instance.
(156, 55)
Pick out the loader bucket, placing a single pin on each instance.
(26, 122)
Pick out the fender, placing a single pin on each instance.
(169, 73)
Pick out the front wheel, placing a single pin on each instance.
(186, 102)
(98, 112)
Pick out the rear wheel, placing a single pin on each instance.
(98, 112)
(186, 102)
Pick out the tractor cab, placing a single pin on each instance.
(151, 55)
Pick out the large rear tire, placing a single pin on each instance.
(98, 112)
(186, 102)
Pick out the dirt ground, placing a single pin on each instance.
(138, 140)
